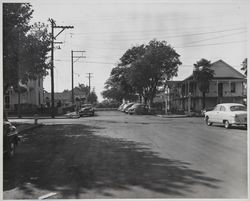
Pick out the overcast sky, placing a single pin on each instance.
(106, 29)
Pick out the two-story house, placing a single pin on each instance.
(227, 85)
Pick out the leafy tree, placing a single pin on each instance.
(203, 74)
(159, 63)
(117, 86)
(142, 69)
(244, 66)
(92, 97)
(83, 88)
(24, 46)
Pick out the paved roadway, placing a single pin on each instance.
(127, 156)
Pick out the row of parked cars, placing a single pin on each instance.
(85, 110)
(135, 108)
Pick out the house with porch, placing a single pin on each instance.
(227, 85)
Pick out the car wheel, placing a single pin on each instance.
(227, 124)
(11, 150)
(209, 123)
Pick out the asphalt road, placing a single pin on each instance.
(114, 155)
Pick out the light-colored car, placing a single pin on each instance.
(73, 115)
(121, 106)
(126, 106)
(138, 109)
(227, 114)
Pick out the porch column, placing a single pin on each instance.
(189, 99)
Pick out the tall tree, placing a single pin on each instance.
(92, 97)
(244, 66)
(203, 74)
(117, 86)
(159, 63)
(24, 46)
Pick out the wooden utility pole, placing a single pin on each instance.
(72, 69)
(54, 26)
(89, 77)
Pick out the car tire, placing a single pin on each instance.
(11, 150)
(208, 122)
(227, 124)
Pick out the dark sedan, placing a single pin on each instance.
(10, 139)
(87, 110)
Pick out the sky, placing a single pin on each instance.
(106, 29)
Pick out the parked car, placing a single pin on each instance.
(121, 106)
(86, 110)
(11, 139)
(206, 110)
(227, 114)
(139, 108)
(127, 106)
(72, 115)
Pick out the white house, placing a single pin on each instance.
(33, 95)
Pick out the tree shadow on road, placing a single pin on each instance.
(72, 159)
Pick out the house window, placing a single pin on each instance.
(233, 87)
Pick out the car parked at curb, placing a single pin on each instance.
(86, 110)
(11, 139)
(121, 107)
(228, 114)
(139, 108)
(126, 106)
(72, 115)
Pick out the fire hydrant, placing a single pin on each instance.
(35, 119)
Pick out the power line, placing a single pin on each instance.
(213, 44)
(174, 36)
(215, 37)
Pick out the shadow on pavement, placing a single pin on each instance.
(71, 159)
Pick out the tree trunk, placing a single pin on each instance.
(203, 100)
(150, 102)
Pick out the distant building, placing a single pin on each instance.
(228, 85)
(64, 99)
(32, 94)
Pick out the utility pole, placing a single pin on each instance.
(89, 77)
(72, 69)
(54, 26)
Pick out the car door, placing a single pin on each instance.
(213, 116)
(221, 114)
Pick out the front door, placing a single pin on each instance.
(220, 90)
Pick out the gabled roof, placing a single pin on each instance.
(223, 70)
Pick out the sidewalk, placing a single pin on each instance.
(173, 116)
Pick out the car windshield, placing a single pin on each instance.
(238, 108)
